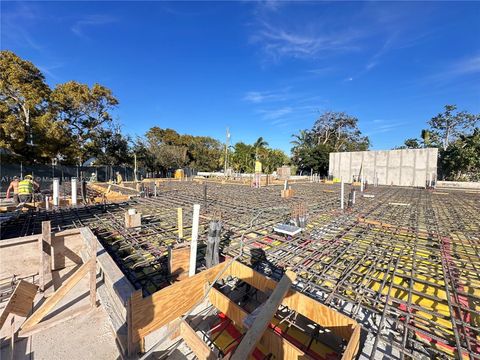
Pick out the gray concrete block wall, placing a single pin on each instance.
(408, 167)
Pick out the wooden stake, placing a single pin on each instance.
(180, 222)
(264, 318)
(58, 295)
(45, 247)
(93, 273)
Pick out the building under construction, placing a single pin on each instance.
(384, 273)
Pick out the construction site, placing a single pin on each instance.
(210, 267)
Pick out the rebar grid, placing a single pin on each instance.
(405, 263)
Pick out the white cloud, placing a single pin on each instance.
(274, 114)
(380, 129)
(462, 67)
(91, 20)
(279, 42)
(258, 97)
(451, 72)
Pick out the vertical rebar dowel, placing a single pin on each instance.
(213, 241)
(56, 190)
(193, 243)
(74, 191)
(342, 190)
(83, 190)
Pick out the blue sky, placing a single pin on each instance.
(261, 68)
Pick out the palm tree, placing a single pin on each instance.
(301, 138)
(426, 138)
(259, 144)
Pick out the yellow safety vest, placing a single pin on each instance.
(25, 187)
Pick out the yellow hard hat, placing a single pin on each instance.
(28, 177)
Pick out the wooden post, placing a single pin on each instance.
(180, 222)
(12, 338)
(93, 272)
(193, 244)
(264, 318)
(45, 247)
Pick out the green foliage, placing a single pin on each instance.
(461, 160)
(410, 144)
(38, 124)
(110, 147)
(243, 157)
(85, 110)
(23, 101)
(340, 132)
(332, 132)
(458, 139)
(449, 125)
(164, 149)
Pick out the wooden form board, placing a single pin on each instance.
(133, 220)
(287, 193)
(353, 344)
(58, 295)
(20, 302)
(195, 343)
(339, 324)
(178, 262)
(152, 312)
(278, 346)
(89, 267)
(264, 318)
(148, 314)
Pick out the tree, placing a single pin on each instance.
(110, 147)
(258, 145)
(86, 111)
(274, 159)
(314, 158)
(340, 131)
(426, 138)
(243, 157)
(331, 132)
(447, 126)
(205, 153)
(457, 137)
(412, 144)
(23, 98)
(461, 160)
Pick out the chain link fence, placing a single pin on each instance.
(44, 174)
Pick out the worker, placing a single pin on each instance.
(119, 178)
(93, 178)
(26, 188)
(14, 186)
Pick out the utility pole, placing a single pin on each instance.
(226, 151)
(135, 167)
